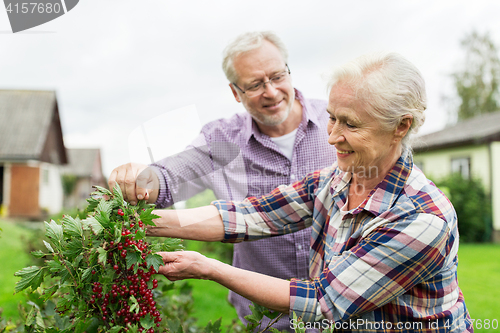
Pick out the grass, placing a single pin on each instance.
(13, 257)
(479, 279)
(478, 274)
(210, 298)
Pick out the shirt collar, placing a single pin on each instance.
(382, 197)
(251, 128)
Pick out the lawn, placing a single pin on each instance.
(210, 298)
(13, 257)
(478, 273)
(479, 279)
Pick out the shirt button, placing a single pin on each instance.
(292, 176)
(299, 246)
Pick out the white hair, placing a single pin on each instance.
(247, 42)
(390, 85)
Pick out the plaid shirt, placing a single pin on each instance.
(235, 160)
(388, 264)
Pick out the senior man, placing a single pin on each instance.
(282, 137)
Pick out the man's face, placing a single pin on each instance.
(272, 107)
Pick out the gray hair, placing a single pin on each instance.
(390, 85)
(247, 42)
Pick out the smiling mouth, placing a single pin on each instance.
(344, 152)
(272, 105)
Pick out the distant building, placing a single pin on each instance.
(471, 147)
(31, 153)
(82, 172)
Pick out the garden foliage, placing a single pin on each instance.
(472, 204)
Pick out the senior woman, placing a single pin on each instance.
(384, 242)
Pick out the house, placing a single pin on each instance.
(82, 172)
(471, 147)
(31, 153)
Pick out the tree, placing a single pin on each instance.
(477, 81)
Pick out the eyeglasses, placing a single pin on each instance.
(258, 88)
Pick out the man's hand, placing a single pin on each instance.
(137, 182)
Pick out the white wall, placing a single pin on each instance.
(6, 190)
(495, 194)
(437, 164)
(51, 190)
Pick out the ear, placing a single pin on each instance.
(403, 127)
(235, 93)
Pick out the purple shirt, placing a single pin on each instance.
(235, 160)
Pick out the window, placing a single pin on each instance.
(45, 176)
(462, 166)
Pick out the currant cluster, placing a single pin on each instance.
(99, 270)
(128, 298)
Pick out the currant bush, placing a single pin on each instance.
(100, 270)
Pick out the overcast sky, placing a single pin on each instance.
(117, 64)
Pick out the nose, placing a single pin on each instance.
(270, 90)
(335, 134)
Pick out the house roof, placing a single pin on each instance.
(81, 162)
(477, 130)
(27, 119)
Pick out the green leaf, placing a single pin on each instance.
(134, 305)
(299, 328)
(30, 277)
(174, 325)
(256, 315)
(132, 328)
(118, 232)
(86, 273)
(147, 322)
(62, 322)
(154, 260)
(132, 258)
(103, 219)
(102, 190)
(116, 329)
(140, 234)
(87, 325)
(54, 231)
(91, 223)
(147, 217)
(72, 227)
(73, 248)
(54, 266)
(39, 321)
(38, 254)
(274, 330)
(117, 192)
(48, 292)
(48, 246)
(171, 245)
(64, 303)
(104, 207)
(93, 202)
(213, 328)
(103, 255)
(30, 318)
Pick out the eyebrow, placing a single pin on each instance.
(269, 77)
(343, 117)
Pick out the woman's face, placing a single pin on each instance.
(363, 147)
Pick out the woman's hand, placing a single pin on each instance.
(265, 290)
(184, 265)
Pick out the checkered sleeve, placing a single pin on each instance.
(285, 210)
(393, 256)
